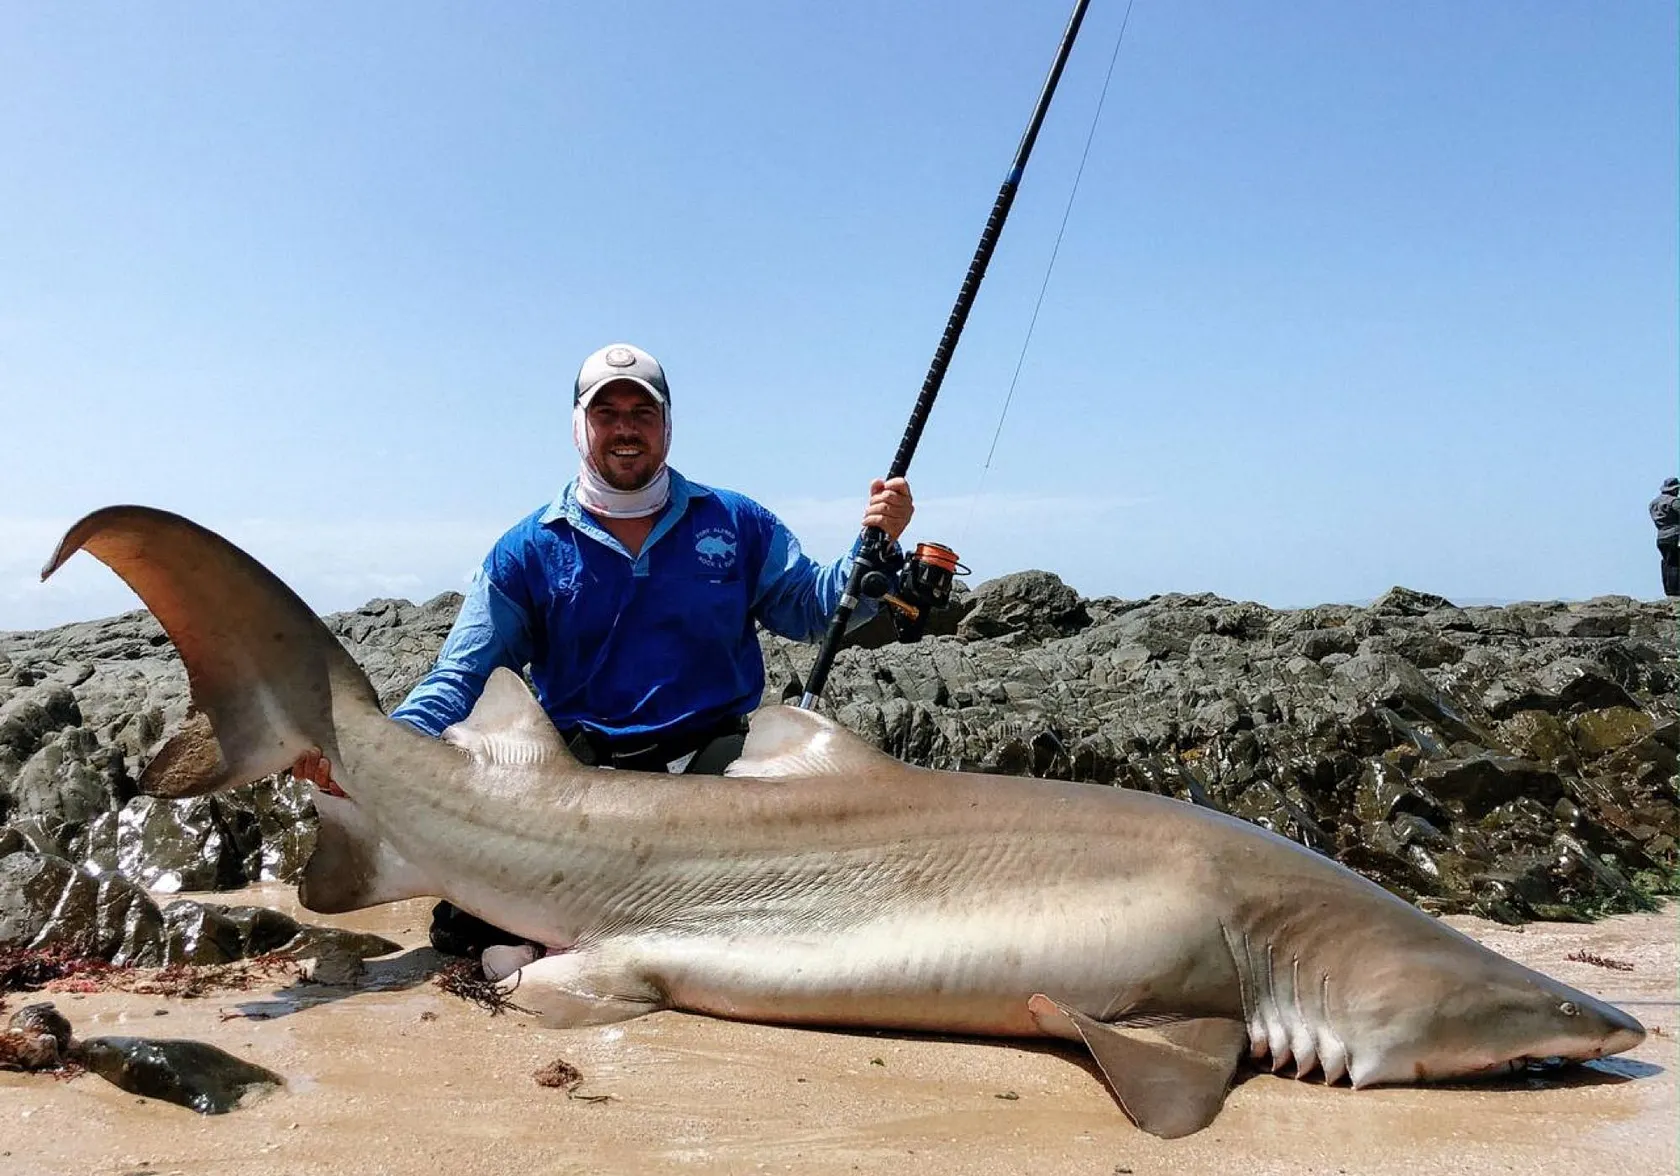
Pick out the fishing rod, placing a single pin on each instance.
(929, 572)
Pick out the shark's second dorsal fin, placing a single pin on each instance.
(508, 726)
(788, 741)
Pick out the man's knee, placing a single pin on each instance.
(712, 759)
(455, 932)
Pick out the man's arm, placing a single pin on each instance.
(491, 631)
(795, 596)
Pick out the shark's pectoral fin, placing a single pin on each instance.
(584, 986)
(1170, 1079)
(352, 866)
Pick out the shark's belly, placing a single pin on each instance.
(965, 970)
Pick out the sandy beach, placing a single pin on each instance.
(398, 1077)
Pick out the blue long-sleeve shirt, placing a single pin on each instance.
(651, 644)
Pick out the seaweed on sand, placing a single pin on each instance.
(462, 978)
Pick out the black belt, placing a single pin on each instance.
(648, 753)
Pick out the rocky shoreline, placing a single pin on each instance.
(1516, 762)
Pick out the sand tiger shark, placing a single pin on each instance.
(825, 883)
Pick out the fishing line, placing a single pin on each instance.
(877, 558)
(1021, 360)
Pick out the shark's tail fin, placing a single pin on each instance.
(267, 676)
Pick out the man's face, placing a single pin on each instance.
(626, 435)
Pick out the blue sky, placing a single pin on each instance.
(1352, 295)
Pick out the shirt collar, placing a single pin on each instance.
(565, 506)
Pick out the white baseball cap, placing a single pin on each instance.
(620, 361)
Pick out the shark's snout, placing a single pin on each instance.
(1621, 1032)
(1489, 1016)
(1580, 1028)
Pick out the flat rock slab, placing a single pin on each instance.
(192, 1074)
(398, 1078)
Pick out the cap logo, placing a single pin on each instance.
(620, 357)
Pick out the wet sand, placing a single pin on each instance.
(398, 1077)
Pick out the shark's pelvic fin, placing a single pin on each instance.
(584, 986)
(788, 741)
(1170, 1079)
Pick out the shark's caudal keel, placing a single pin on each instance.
(826, 883)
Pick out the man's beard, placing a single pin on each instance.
(613, 496)
(625, 482)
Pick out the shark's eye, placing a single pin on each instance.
(1568, 1009)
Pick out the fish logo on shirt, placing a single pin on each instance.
(715, 548)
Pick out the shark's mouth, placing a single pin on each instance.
(1531, 1066)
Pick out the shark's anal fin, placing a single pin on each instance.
(787, 741)
(1170, 1079)
(352, 867)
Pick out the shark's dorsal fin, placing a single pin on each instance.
(1171, 1080)
(788, 741)
(508, 726)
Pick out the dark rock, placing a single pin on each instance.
(286, 827)
(1037, 604)
(1478, 784)
(1580, 685)
(43, 1018)
(332, 966)
(69, 779)
(1385, 790)
(195, 933)
(1504, 699)
(27, 718)
(1540, 736)
(47, 902)
(1405, 602)
(311, 940)
(1514, 895)
(1410, 829)
(261, 929)
(1393, 870)
(1598, 875)
(188, 1073)
(170, 845)
(1600, 732)
(1269, 808)
(128, 927)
